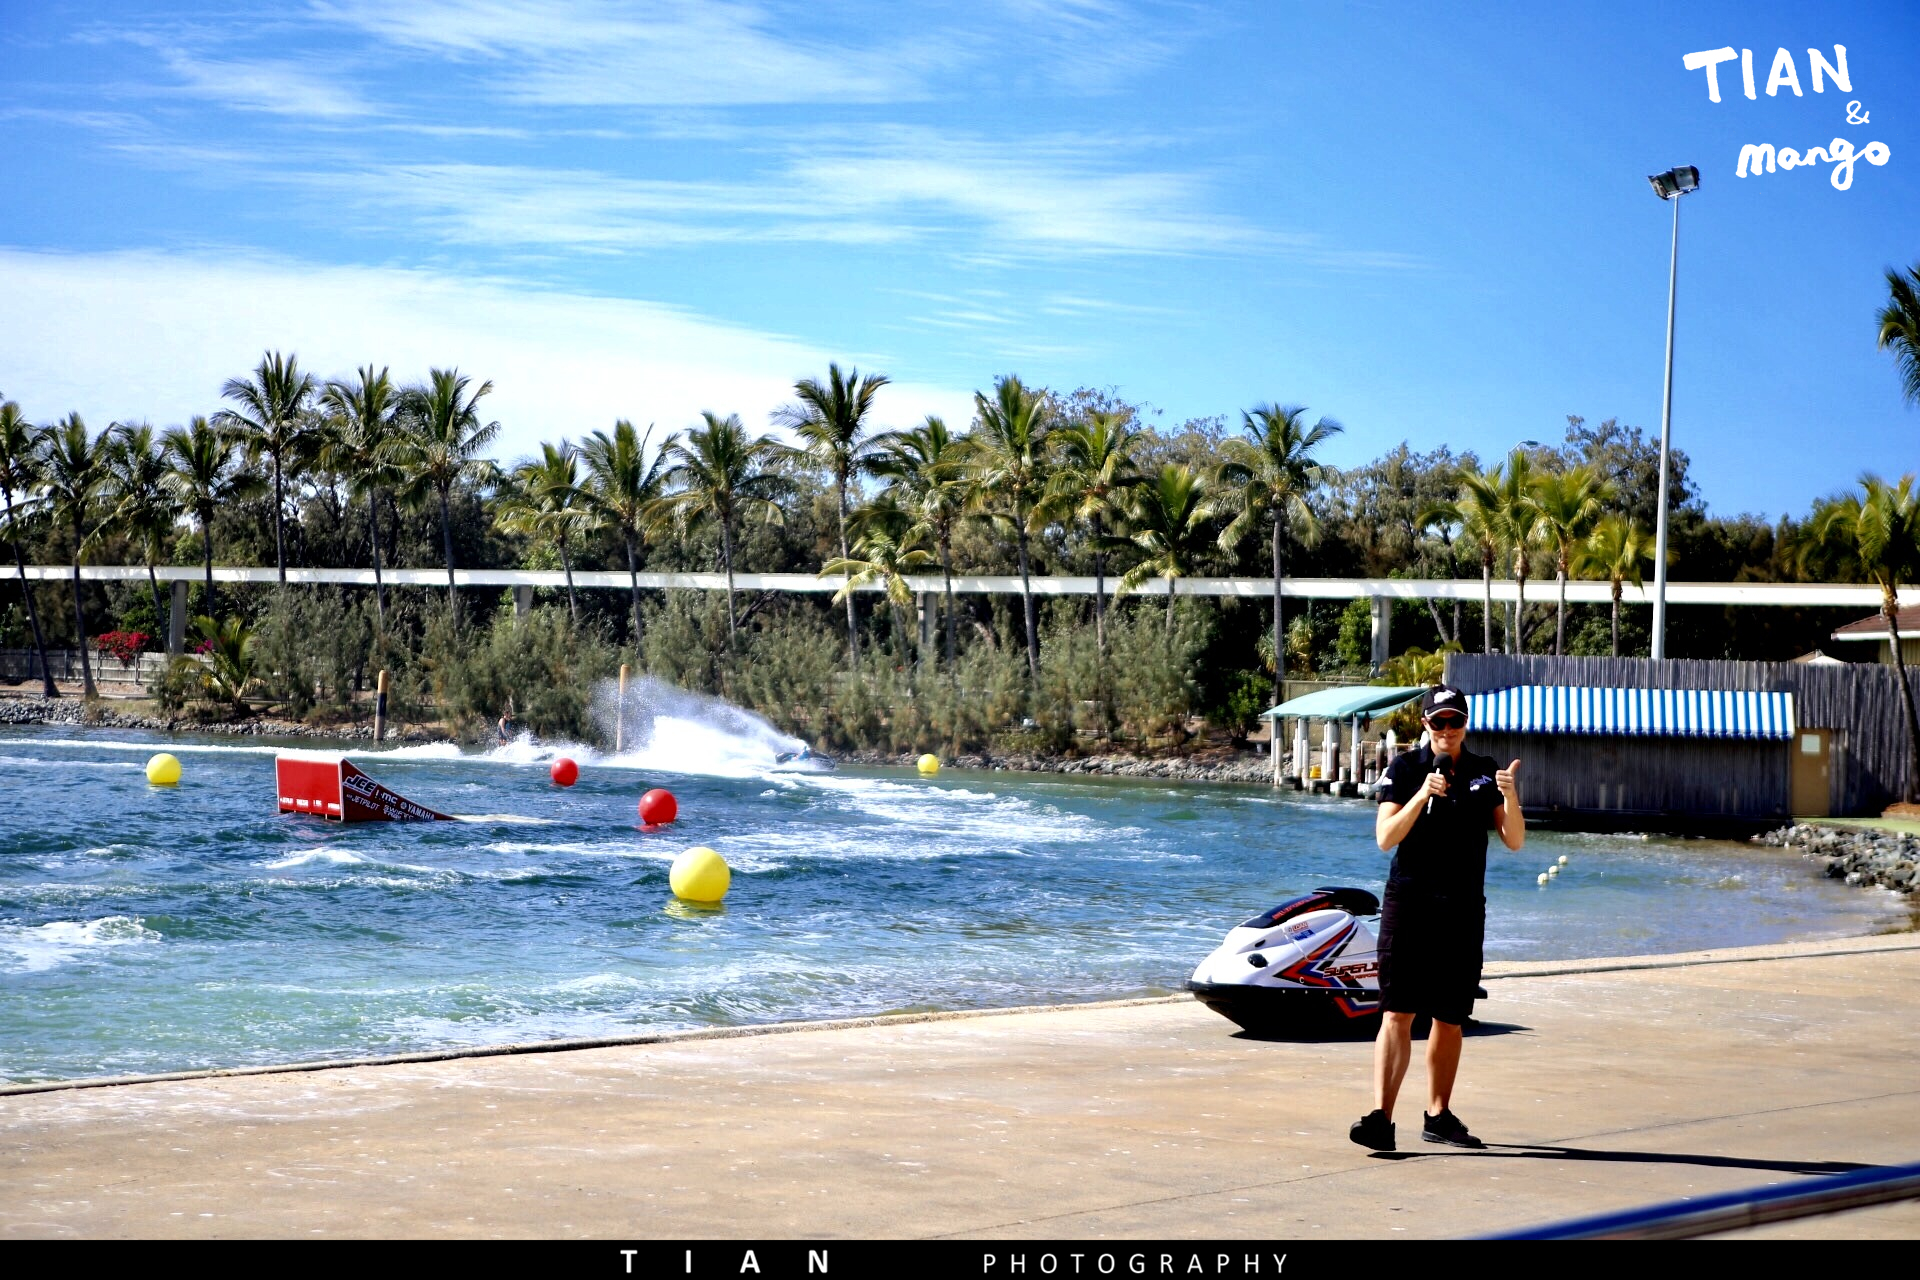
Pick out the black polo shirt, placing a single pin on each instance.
(1446, 852)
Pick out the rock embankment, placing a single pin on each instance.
(1239, 767)
(1858, 855)
(100, 715)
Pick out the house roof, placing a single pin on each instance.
(1638, 713)
(1338, 704)
(1874, 626)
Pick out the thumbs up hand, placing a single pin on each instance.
(1509, 786)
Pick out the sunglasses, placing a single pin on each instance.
(1447, 722)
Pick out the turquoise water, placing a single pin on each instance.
(146, 929)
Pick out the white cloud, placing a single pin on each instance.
(152, 336)
(280, 88)
(1061, 196)
(658, 53)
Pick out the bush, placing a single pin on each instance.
(1246, 697)
(540, 665)
(1154, 670)
(312, 646)
(184, 681)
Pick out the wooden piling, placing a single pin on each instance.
(620, 713)
(380, 708)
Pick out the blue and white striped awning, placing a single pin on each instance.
(1649, 713)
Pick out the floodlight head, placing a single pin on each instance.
(1675, 182)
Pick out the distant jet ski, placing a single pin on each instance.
(804, 758)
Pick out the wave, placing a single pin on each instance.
(37, 948)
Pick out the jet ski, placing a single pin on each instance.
(804, 758)
(1306, 968)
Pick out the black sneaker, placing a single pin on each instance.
(1446, 1127)
(1373, 1131)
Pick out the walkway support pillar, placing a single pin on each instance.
(1382, 630)
(522, 602)
(177, 618)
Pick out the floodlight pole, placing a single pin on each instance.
(1659, 649)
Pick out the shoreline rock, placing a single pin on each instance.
(1858, 855)
(101, 715)
(1242, 768)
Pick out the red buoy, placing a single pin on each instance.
(658, 807)
(565, 772)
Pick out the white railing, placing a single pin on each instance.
(1539, 591)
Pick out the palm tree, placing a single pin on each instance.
(272, 416)
(1875, 535)
(1569, 504)
(623, 493)
(360, 441)
(1167, 520)
(145, 507)
(204, 478)
(1269, 473)
(1900, 328)
(20, 475)
(831, 421)
(1615, 550)
(927, 474)
(72, 469)
(1521, 528)
(542, 499)
(1094, 476)
(885, 558)
(722, 475)
(440, 444)
(1478, 509)
(1010, 470)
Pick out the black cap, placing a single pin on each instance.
(1442, 697)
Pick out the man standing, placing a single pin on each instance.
(1437, 806)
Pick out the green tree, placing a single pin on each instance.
(271, 416)
(1268, 473)
(360, 441)
(927, 474)
(1900, 328)
(1010, 468)
(541, 499)
(1570, 503)
(1615, 550)
(72, 471)
(831, 422)
(19, 479)
(721, 474)
(623, 493)
(1168, 521)
(885, 558)
(204, 477)
(440, 443)
(144, 506)
(1478, 510)
(1093, 476)
(230, 656)
(1875, 535)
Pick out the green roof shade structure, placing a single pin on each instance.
(1339, 704)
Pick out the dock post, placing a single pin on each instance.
(380, 708)
(620, 713)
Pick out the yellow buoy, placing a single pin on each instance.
(163, 770)
(700, 875)
(929, 765)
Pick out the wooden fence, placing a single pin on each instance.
(1859, 701)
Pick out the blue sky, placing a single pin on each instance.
(1431, 223)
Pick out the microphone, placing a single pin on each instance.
(1445, 765)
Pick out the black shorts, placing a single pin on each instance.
(1430, 953)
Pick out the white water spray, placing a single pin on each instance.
(668, 729)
